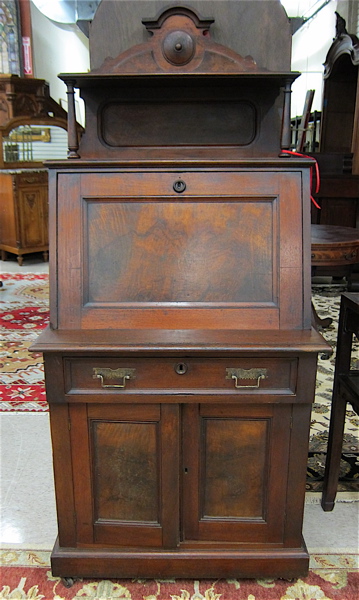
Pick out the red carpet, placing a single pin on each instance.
(37, 583)
(24, 312)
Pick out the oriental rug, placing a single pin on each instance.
(24, 313)
(27, 575)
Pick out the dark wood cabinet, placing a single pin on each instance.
(186, 447)
(180, 362)
(338, 159)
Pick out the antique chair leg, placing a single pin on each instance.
(335, 442)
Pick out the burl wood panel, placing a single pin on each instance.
(180, 251)
(245, 219)
(125, 471)
(235, 453)
(240, 454)
(128, 490)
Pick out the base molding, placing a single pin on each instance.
(191, 563)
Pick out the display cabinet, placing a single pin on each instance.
(180, 361)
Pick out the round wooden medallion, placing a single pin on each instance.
(178, 47)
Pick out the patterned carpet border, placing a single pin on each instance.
(24, 313)
(26, 574)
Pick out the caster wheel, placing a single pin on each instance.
(68, 581)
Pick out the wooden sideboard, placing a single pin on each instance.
(29, 118)
(180, 362)
(24, 213)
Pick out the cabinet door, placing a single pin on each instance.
(126, 474)
(33, 215)
(235, 472)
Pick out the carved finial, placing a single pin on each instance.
(340, 26)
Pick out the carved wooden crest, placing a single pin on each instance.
(344, 43)
(180, 42)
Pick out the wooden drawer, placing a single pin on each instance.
(248, 376)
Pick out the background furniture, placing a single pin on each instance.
(340, 115)
(31, 124)
(339, 135)
(180, 362)
(335, 246)
(345, 389)
(24, 213)
(338, 156)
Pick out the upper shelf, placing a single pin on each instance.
(180, 90)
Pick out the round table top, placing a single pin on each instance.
(333, 245)
(334, 235)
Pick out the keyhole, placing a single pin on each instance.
(179, 186)
(181, 368)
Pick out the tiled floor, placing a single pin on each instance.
(32, 263)
(28, 513)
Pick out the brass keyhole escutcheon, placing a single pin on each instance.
(181, 368)
(179, 186)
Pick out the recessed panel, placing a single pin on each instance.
(234, 469)
(184, 252)
(125, 471)
(178, 123)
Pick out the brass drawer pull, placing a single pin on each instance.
(110, 374)
(239, 374)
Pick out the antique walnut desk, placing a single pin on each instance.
(180, 361)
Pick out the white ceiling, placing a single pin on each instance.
(301, 8)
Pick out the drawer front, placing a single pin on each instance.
(111, 376)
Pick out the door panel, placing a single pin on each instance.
(125, 471)
(129, 475)
(241, 454)
(33, 216)
(234, 468)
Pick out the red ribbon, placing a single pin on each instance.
(317, 175)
